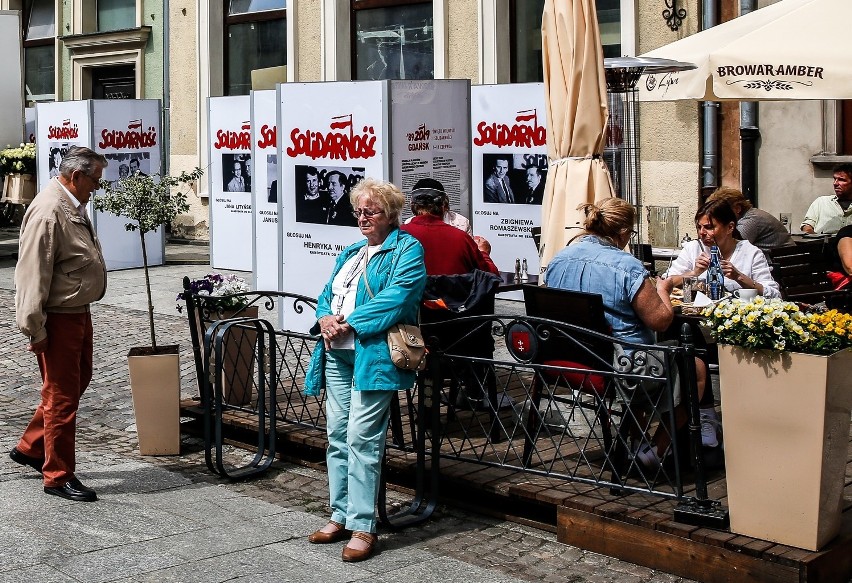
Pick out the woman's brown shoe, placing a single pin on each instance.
(351, 555)
(323, 538)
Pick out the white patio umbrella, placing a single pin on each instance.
(575, 93)
(793, 49)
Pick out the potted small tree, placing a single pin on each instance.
(150, 202)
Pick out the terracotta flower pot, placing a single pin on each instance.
(786, 420)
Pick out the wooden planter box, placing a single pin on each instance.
(786, 420)
(19, 188)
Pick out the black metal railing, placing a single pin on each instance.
(581, 414)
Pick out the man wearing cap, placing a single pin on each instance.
(60, 271)
(430, 185)
(446, 250)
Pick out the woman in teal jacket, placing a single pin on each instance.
(352, 362)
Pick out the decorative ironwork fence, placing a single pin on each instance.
(590, 412)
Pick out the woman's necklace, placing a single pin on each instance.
(350, 277)
(726, 255)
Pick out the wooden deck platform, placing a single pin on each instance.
(637, 528)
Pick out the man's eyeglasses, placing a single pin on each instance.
(368, 214)
(95, 179)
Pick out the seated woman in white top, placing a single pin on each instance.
(743, 264)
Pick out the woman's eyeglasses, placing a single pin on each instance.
(368, 214)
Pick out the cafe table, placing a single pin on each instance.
(705, 345)
(665, 253)
(510, 283)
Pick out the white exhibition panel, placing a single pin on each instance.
(509, 145)
(127, 133)
(230, 182)
(339, 128)
(430, 138)
(12, 87)
(120, 129)
(29, 125)
(59, 125)
(266, 255)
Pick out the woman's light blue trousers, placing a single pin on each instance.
(357, 429)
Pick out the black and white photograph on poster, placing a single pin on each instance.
(122, 165)
(57, 152)
(514, 178)
(236, 172)
(139, 163)
(322, 194)
(272, 178)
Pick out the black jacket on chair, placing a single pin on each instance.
(468, 294)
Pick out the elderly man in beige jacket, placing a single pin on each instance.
(60, 271)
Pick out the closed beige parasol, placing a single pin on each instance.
(575, 94)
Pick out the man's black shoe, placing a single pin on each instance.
(25, 460)
(73, 489)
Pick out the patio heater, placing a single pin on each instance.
(621, 149)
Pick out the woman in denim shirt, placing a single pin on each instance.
(376, 283)
(595, 262)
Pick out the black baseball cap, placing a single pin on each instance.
(428, 191)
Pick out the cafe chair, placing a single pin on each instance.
(447, 299)
(801, 271)
(569, 357)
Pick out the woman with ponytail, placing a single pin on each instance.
(635, 306)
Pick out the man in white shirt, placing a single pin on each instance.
(829, 214)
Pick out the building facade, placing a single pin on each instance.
(185, 52)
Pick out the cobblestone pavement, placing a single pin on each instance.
(168, 519)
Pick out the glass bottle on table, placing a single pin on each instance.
(715, 277)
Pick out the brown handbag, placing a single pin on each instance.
(407, 349)
(405, 341)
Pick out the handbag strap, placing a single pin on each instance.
(364, 273)
(367, 283)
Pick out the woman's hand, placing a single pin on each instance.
(734, 274)
(483, 244)
(702, 263)
(729, 271)
(665, 286)
(332, 328)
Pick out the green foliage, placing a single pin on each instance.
(150, 201)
